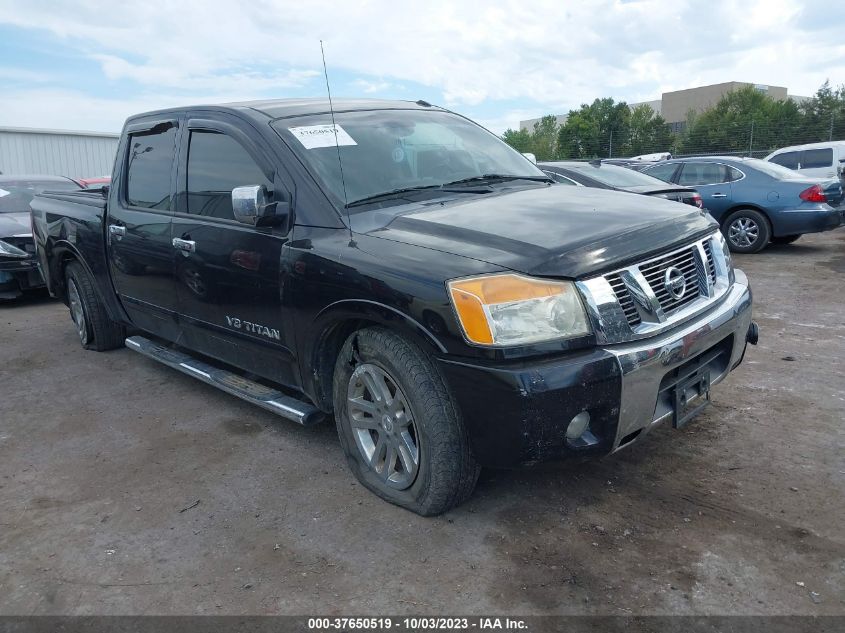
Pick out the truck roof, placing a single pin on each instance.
(282, 108)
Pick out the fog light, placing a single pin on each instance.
(577, 426)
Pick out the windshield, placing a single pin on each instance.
(616, 176)
(773, 169)
(15, 195)
(388, 150)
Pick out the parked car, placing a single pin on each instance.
(600, 175)
(18, 265)
(755, 201)
(439, 296)
(815, 160)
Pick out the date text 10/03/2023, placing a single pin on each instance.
(418, 623)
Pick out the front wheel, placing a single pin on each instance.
(400, 430)
(747, 231)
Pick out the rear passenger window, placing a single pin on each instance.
(787, 159)
(150, 166)
(734, 174)
(216, 165)
(702, 174)
(815, 158)
(663, 172)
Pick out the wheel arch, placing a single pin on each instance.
(335, 323)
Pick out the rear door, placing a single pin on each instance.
(818, 163)
(713, 182)
(229, 274)
(138, 227)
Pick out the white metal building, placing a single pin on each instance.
(56, 152)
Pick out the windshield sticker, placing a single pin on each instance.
(3, 192)
(315, 136)
(398, 154)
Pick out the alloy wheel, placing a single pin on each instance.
(77, 314)
(383, 426)
(743, 232)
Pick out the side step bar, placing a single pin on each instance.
(249, 390)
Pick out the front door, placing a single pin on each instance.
(138, 228)
(229, 274)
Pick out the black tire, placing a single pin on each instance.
(95, 329)
(747, 231)
(785, 239)
(446, 472)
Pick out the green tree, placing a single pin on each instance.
(544, 138)
(741, 121)
(648, 132)
(589, 132)
(520, 140)
(823, 115)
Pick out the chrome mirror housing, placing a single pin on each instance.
(249, 203)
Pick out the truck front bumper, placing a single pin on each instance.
(517, 414)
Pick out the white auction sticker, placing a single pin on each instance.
(3, 192)
(315, 136)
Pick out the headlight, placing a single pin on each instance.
(506, 309)
(7, 250)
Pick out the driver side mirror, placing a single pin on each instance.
(530, 157)
(251, 205)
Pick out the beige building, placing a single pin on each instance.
(674, 106)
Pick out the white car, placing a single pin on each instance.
(819, 160)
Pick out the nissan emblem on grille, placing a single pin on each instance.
(675, 283)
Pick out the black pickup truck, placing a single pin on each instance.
(400, 268)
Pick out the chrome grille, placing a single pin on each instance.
(625, 300)
(711, 265)
(655, 273)
(633, 302)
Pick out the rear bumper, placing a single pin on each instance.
(799, 221)
(517, 414)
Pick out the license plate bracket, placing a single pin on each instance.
(690, 396)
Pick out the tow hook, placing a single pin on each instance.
(753, 334)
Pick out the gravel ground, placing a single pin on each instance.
(128, 488)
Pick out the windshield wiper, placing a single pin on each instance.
(493, 178)
(389, 194)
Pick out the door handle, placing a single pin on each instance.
(117, 230)
(719, 195)
(186, 246)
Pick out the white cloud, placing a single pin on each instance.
(546, 54)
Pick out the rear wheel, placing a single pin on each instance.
(747, 231)
(785, 239)
(93, 326)
(399, 428)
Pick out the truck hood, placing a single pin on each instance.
(15, 224)
(553, 231)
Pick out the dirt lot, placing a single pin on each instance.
(128, 488)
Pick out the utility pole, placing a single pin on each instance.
(751, 141)
(610, 147)
(831, 127)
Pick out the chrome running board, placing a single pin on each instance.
(245, 389)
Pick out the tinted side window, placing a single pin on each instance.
(216, 165)
(150, 165)
(664, 172)
(787, 159)
(702, 174)
(814, 158)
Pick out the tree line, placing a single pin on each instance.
(743, 121)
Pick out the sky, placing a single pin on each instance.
(87, 65)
